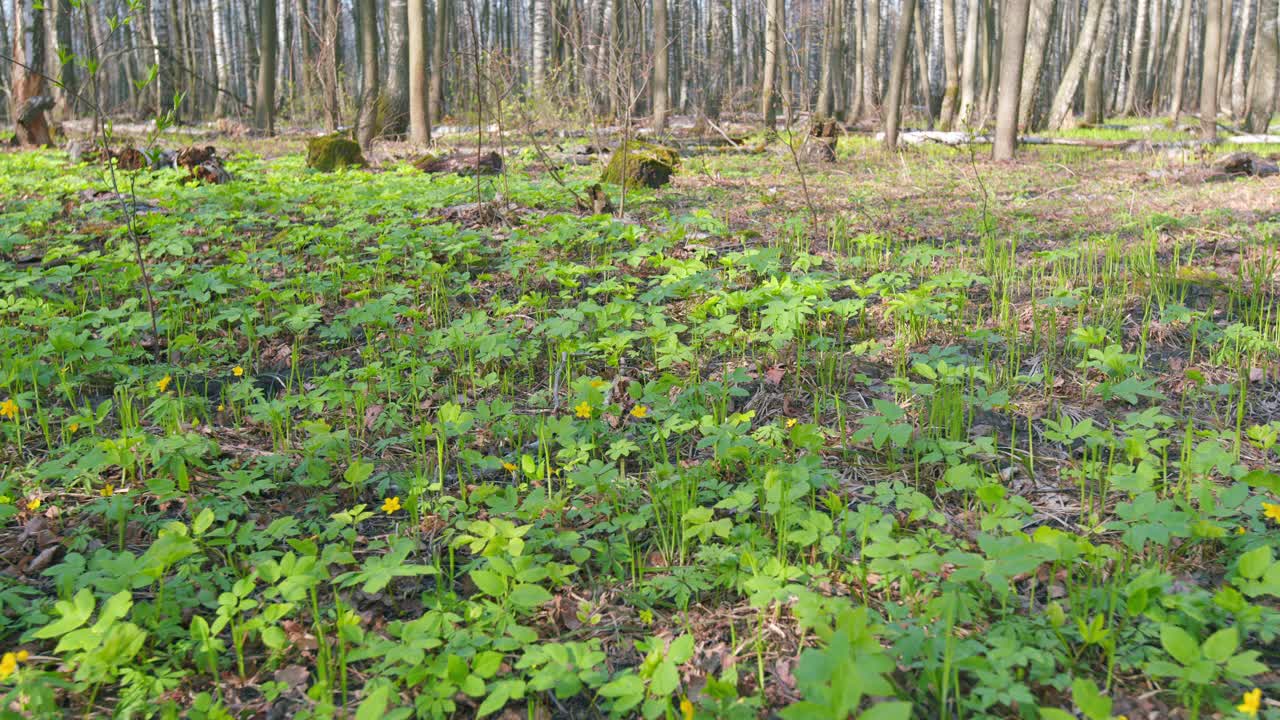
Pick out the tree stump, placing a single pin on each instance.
(822, 140)
(641, 164)
(33, 127)
(203, 164)
(330, 152)
(489, 163)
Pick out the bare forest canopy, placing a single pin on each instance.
(393, 67)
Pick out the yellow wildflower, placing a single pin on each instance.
(74, 427)
(237, 371)
(1271, 510)
(508, 467)
(22, 655)
(391, 505)
(163, 383)
(639, 411)
(1252, 702)
(791, 422)
(8, 664)
(33, 504)
(598, 384)
(9, 408)
(221, 407)
(1240, 530)
(107, 490)
(583, 409)
(686, 709)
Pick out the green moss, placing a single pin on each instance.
(330, 152)
(641, 164)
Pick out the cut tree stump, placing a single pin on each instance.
(203, 164)
(1242, 164)
(489, 163)
(638, 163)
(821, 146)
(32, 126)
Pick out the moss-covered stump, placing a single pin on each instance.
(330, 152)
(637, 164)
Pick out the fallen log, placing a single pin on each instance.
(462, 163)
(956, 139)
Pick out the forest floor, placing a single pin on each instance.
(910, 435)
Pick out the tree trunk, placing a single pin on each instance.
(969, 72)
(1209, 73)
(661, 77)
(832, 54)
(772, 34)
(268, 42)
(898, 74)
(1180, 63)
(28, 84)
(1262, 99)
(1037, 43)
(1094, 100)
(438, 46)
(951, 64)
(1238, 65)
(871, 61)
(395, 104)
(221, 63)
(1012, 51)
(367, 117)
(66, 66)
(1064, 98)
(329, 65)
(1136, 57)
(419, 109)
(541, 8)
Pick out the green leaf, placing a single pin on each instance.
(1090, 700)
(202, 521)
(1179, 644)
(1055, 714)
(528, 595)
(375, 705)
(489, 582)
(358, 471)
(1221, 645)
(1255, 562)
(896, 710)
(71, 615)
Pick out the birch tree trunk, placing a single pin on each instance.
(1065, 95)
(1094, 83)
(773, 17)
(898, 74)
(969, 72)
(221, 63)
(1238, 65)
(540, 11)
(661, 76)
(1180, 62)
(1037, 44)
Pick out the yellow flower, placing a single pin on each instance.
(8, 664)
(391, 505)
(163, 383)
(33, 504)
(508, 467)
(9, 408)
(1271, 510)
(1252, 702)
(639, 411)
(598, 384)
(107, 490)
(22, 655)
(1240, 530)
(74, 427)
(583, 409)
(237, 371)
(221, 407)
(686, 709)
(791, 422)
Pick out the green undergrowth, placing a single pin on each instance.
(391, 461)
